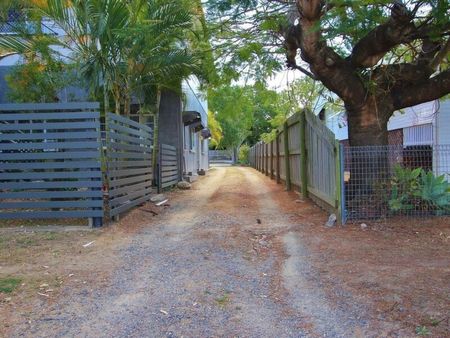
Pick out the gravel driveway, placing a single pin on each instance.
(224, 262)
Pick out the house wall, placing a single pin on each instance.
(442, 123)
(441, 158)
(170, 123)
(195, 152)
(408, 117)
(195, 149)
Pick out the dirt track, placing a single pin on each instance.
(227, 260)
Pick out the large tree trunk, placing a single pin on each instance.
(369, 164)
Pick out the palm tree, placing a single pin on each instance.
(122, 47)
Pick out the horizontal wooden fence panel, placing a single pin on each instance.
(169, 167)
(129, 162)
(50, 163)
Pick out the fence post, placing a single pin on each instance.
(286, 156)
(262, 156)
(266, 147)
(337, 160)
(158, 168)
(258, 154)
(277, 140)
(271, 159)
(303, 156)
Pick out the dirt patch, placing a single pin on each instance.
(234, 249)
(44, 262)
(401, 267)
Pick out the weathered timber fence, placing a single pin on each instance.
(169, 173)
(129, 163)
(306, 156)
(50, 161)
(356, 183)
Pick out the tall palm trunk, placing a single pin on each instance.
(156, 133)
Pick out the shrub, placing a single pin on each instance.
(416, 189)
(244, 151)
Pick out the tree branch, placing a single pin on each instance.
(371, 48)
(431, 89)
(337, 74)
(303, 70)
(445, 50)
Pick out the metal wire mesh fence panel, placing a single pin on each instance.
(386, 181)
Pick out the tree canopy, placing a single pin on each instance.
(377, 56)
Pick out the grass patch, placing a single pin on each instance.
(26, 242)
(8, 285)
(50, 236)
(223, 300)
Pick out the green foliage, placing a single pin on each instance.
(244, 151)
(435, 190)
(39, 82)
(237, 25)
(422, 331)
(405, 185)
(121, 47)
(233, 108)
(9, 284)
(216, 131)
(416, 188)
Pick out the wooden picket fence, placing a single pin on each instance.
(305, 156)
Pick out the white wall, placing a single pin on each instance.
(441, 158)
(442, 124)
(196, 157)
(413, 116)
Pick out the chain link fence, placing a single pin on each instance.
(387, 181)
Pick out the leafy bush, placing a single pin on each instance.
(244, 151)
(435, 191)
(404, 188)
(416, 189)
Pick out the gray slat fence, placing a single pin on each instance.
(306, 156)
(129, 149)
(168, 166)
(50, 161)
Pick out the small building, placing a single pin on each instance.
(424, 129)
(183, 122)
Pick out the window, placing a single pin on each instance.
(418, 135)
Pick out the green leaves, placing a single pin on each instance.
(120, 46)
(416, 188)
(435, 190)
